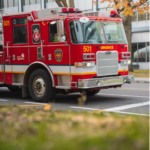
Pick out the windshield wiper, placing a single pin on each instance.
(117, 43)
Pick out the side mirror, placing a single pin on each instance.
(60, 28)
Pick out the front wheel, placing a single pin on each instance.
(40, 86)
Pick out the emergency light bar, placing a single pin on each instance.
(54, 12)
(71, 10)
(113, 13)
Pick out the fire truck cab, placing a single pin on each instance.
(62, 50)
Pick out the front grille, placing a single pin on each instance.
(107, 63)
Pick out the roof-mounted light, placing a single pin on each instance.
(78, 10)
(113, 13)
(72, 10)
(65, 10)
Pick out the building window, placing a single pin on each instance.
(36, 34)
(31, 2)
(141, 17)
(19, 30)
(134, 17)
(142, 52)
(4, 3)
(148, 51)
(134, 52)
(148, 16)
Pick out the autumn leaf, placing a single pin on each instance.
(95, 3)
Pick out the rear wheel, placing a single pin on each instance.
(14, 89)
(40, 86)
(92, 93)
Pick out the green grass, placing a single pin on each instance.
(34, 129)
(140, 73)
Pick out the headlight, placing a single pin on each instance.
(125, 62)
(85, 64)
(129, 61)
(88, 64)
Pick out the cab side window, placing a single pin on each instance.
(53, 36)
(19, 30)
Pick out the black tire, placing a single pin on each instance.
(40, 86)
(94, 92)
(14, 89)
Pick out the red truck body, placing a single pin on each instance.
(28, 45)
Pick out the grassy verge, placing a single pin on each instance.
(34, 129)
(140, 73)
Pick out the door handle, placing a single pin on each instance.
(7, 61)
(8, 49)
(43, 57)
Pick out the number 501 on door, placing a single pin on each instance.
(87, 49)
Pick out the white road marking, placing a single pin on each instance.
(121, 112)
(115, 108)
(74, 107)
(122, 95)
(3, 100)
(36, 103)
(127, 106)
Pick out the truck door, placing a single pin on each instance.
(58, 57)
(2, 68)
(38, 49)
(19, 48)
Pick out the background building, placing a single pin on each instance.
(140, 23)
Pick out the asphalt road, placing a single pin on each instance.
(130, 99)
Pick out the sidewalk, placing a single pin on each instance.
(142, 80)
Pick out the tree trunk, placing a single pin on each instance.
(128, 27)
(71, 3)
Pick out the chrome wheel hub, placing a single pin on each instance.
(39, 86)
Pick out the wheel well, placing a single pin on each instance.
(36, 66)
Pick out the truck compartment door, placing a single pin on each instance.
(2, 77)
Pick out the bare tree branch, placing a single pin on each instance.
(61, 3)
(71, 3)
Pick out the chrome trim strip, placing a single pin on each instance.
(100, 82)
(62, 87)
(17, 84)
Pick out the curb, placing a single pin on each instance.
(140, 81)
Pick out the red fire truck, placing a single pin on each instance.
(62, 50)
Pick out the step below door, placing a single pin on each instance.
(1, 68)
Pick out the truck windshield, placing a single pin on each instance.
(115, 32)
(92, 32)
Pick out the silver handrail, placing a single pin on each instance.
(8, 49)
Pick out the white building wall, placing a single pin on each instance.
(143, 65)
(140, 37)
(32, 7)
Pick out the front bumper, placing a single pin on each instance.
(104, 82)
